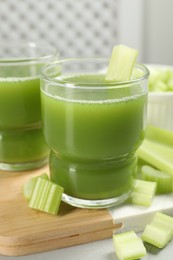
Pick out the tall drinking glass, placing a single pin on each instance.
(93, 129)
(22, 145)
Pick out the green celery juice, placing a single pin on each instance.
(93, 139)
(21, 137)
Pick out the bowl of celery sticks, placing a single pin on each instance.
(160, 98)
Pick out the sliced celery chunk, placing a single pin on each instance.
(163, 180)
(121, 64)
(143, 192)
(160, 231)
(128, 246)
(28, 187)
(46, 196)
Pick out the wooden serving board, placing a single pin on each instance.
(25, 231)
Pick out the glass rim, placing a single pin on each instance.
(64, 83)
(51, 52)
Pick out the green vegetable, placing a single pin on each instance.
(163, 180)
(161, 79)
(28, 187)
(143, 192)
(121, 64)
(159, 135)
(128, 246)
(46, 196)
(160, 231)
(157, 155)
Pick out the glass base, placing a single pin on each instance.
(23, 166)
(95, 204)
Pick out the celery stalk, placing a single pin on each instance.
(121, 64)
(143, 192)
(159, 135)
(160, 231)
(163, 180)
(128, 246)
(157, 155)
(46, 196)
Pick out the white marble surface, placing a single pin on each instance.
(136, 217)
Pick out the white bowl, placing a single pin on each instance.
(160, 104)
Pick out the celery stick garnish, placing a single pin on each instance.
(46, 196)
(128, 246)
(160, 231)
(28, 187)
(163, 180)
(121, 64)
(143, 192)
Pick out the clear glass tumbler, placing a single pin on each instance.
(93, 129)
(22, 144)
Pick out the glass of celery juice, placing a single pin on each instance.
(22, 144)
(93, 129)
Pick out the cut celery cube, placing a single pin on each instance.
(142, 199)
(155, 236)
(160, 231)
(143, 192)
(163, 221)
(145, 187)
(121, 64)
(46, 196)
(128, 246)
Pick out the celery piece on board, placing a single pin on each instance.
(46, 196)
(121, 64)
(163, 180)
(128, 246)
(160, 231)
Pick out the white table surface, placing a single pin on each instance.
(100, 250)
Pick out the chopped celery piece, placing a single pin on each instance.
(159, 135)
(159, 86)
(28, 187)
(143, 192)
(170, 82)
(160, 231)
(46, 196)
(121, 64)
(160, 79)
(128, 246)
(157, 155)
(163, 180)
